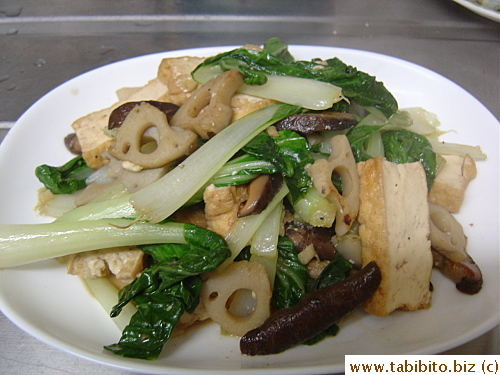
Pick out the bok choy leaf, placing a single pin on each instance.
(291, 276)
(165, 290)
(258, 66)
(65, 179)
(404, 146)
(289, 153)
(158, 314)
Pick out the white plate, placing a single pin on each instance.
(55, 308)
(478, 9)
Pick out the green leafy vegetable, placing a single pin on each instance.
(404, 146)
(291, 282)
(205, 251)
(258, 66)
(241, 170)
(295, 150)
(291, 276)
(166, 289)
(338, 269)
(237, 171)
(158, 314)
(357, 137)
(275, 47)
(289, 152)
(65, 179)
(360, 86)
(330, 331)
(399, 146)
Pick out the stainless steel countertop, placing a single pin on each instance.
(43, 43)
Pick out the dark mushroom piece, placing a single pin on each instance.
(261, 192)
(315, 312)
(119, 114)
(72, 144)
(448, 244)
(307, 123)
(302, 235)
(465, 274)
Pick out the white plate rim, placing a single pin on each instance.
(40, 334)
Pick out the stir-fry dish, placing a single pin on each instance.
(269, 195)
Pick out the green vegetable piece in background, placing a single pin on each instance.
(360, 86)
(400, 146)
(166, 289)
(357, 137)
(338, 269)
(290, 153)
(291, 276)
(275, 59)
(404, 146)
(157, 315)
(275, 47)
(65, 179)
(296, 152)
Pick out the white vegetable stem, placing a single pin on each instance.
(26, 243)
(306, 93)
(162, 198)
(264, 248)
(107, 295)
(119, 207)
(315, 209)
(245, 227)
(447, 148)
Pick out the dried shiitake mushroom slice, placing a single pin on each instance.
(146, 139)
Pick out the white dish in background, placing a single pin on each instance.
(481, 10)
(55, 307)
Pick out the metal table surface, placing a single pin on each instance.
(43, 43)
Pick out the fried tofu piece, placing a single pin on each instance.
(243, 104)
(394, 231)
(222, 205)
(126, 263)
(90, 132)
(175, 73)
(451, 182)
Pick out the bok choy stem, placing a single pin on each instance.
(26, 243)
(245, 227)
(307, 93)
(264, 248)
(117, 208)
(107, 295)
